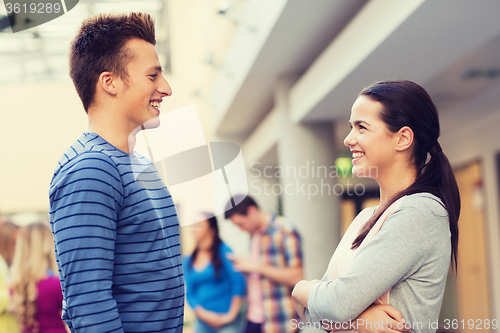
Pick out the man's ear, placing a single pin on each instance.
(107, 81)
(251, 210)
(405, 138)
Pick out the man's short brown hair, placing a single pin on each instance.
(242, 203)
(99, 47)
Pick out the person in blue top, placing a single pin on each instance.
(214, 289)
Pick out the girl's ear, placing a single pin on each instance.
(405, 138)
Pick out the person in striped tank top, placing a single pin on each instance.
(116, 237)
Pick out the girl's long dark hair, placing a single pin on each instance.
(405, 103)
(214, 250)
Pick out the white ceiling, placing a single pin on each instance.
(299, 36)
(435, 46)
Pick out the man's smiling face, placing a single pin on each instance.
(144, 86)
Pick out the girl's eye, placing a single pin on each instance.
(361, 127)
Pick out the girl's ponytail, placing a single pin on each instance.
(438, 173)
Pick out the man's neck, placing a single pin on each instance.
(265, 220)
(110, 129)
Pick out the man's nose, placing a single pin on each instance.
(164, 88)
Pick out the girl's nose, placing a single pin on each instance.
(349, 140)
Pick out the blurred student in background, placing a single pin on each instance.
(214, 289)
(36, 290)
(8, 233)
(273, 267)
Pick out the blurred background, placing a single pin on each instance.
(278, 78)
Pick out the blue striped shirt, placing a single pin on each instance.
(116, 241)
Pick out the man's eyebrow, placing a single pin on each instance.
(156, 69)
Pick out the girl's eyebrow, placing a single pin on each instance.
(359, 122)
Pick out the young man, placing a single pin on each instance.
(274, 267)
(117, 243)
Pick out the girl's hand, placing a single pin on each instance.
(225, 319)
(300, 295)
(381, 319)
(213, 319)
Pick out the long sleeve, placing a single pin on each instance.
(376, 268)
(84, 206)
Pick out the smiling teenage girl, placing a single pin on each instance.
(399, 252)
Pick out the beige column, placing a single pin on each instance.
(310, 197)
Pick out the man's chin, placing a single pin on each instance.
(151, 123)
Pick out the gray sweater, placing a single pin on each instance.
(411, 253)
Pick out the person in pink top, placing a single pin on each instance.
(36, 290)
(8, 234)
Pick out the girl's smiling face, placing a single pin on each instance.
(372, 144)
(201, 231)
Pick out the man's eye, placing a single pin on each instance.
(153, 76)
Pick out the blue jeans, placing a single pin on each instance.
(234, 327)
